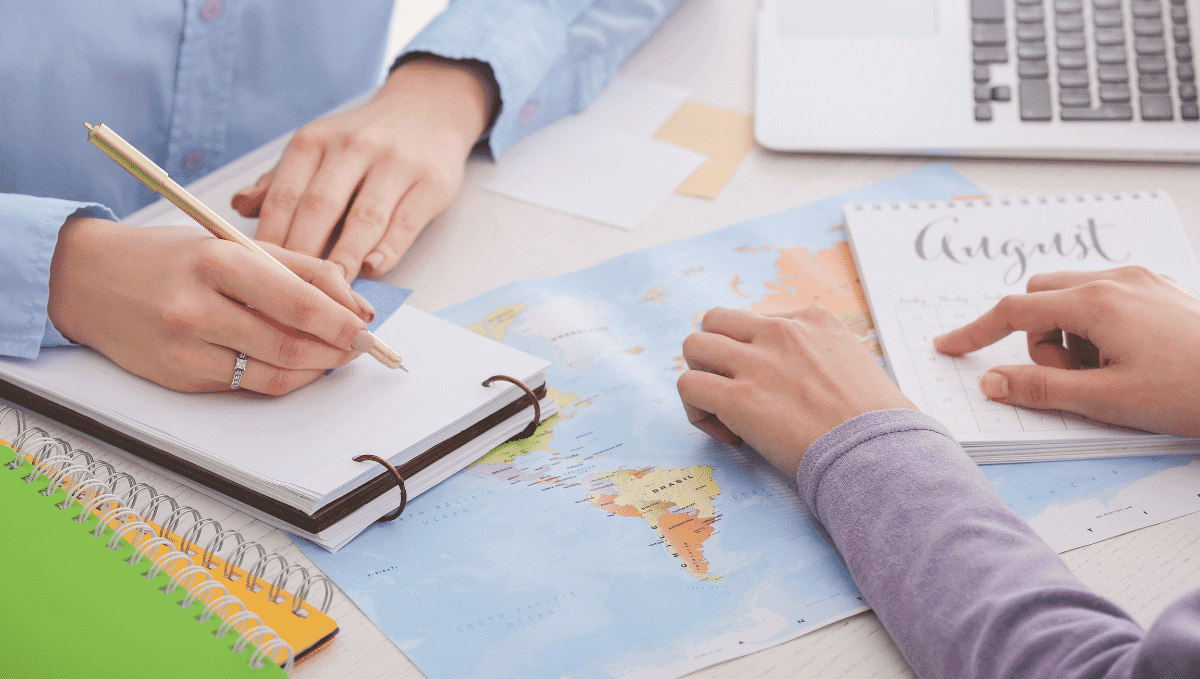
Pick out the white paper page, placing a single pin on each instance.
(286, 438)
(602, 164)
(928, 268)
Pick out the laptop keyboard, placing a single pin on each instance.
(1083, 60)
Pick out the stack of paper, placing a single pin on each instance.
(289, 460)
(930, 267)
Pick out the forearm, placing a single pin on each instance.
(29, 228)
(963, 585)
(548, 59)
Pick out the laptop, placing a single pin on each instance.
(1106, 79)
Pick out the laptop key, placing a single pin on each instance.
(988, 34)
(1035, 99)
(991, 55)
(1031, 50)
(1111, 93)
(1181, 33)
(1186, 72)
(1152, 64)
(981, 75)
(1110, 54)
(1069, 77)
(1156, 107)
(1106, 4)
(1189, 111)
(1179, 15)
(1183, 52)
(983, 93)
(988, 11)
(983, 112)
(1001, 93)
(1068, 23)
(1030, 15)
(1187, 91)
(1146, 9)
(1153, 83)
(1107, 18)
(1150, 27)
(1070, 41)
(1074, 97)
(1031, 32)
(1032, 68)
(1109, 36)
(1150, 46)
(1072, 59)
(1068, 6)
(1113, 73)
(1102, 112)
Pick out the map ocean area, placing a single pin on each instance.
(619, 541)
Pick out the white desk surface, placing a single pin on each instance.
(707, 47)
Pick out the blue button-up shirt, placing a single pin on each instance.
(198, 83)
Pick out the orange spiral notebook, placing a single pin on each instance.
(270, 592)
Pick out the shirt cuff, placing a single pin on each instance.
(518, 40)
(30, 233)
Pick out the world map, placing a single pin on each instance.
(619, 541)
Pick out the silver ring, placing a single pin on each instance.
(238, 369)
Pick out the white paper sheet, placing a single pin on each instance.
(602, 164)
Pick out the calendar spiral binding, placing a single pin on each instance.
(94, 484)
(987, 201)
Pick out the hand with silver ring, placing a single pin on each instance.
(168, 303)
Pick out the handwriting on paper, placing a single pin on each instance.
(938, 239)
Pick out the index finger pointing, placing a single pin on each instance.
(1035, 312)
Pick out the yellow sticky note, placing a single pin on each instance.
(723, 135)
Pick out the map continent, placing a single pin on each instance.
(677, 503)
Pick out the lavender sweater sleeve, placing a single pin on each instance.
(964, 586)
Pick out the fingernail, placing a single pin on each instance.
(374, 260)
(364, 305)
(364, 341)
(994, 385)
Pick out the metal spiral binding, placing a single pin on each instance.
(1097, 197)
(97, 485)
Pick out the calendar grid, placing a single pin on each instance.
(949, 386)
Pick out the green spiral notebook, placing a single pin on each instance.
(72, 607)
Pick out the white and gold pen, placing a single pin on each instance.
(153, 176)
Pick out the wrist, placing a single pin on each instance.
(77, 237)
(463, 91)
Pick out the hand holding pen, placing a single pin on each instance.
(176, 307)
(200, 314)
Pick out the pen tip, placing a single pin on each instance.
(88, 125)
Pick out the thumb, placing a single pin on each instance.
(1046, 388)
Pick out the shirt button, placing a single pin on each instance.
(528, 112)
(211, 9)
(194, 160)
